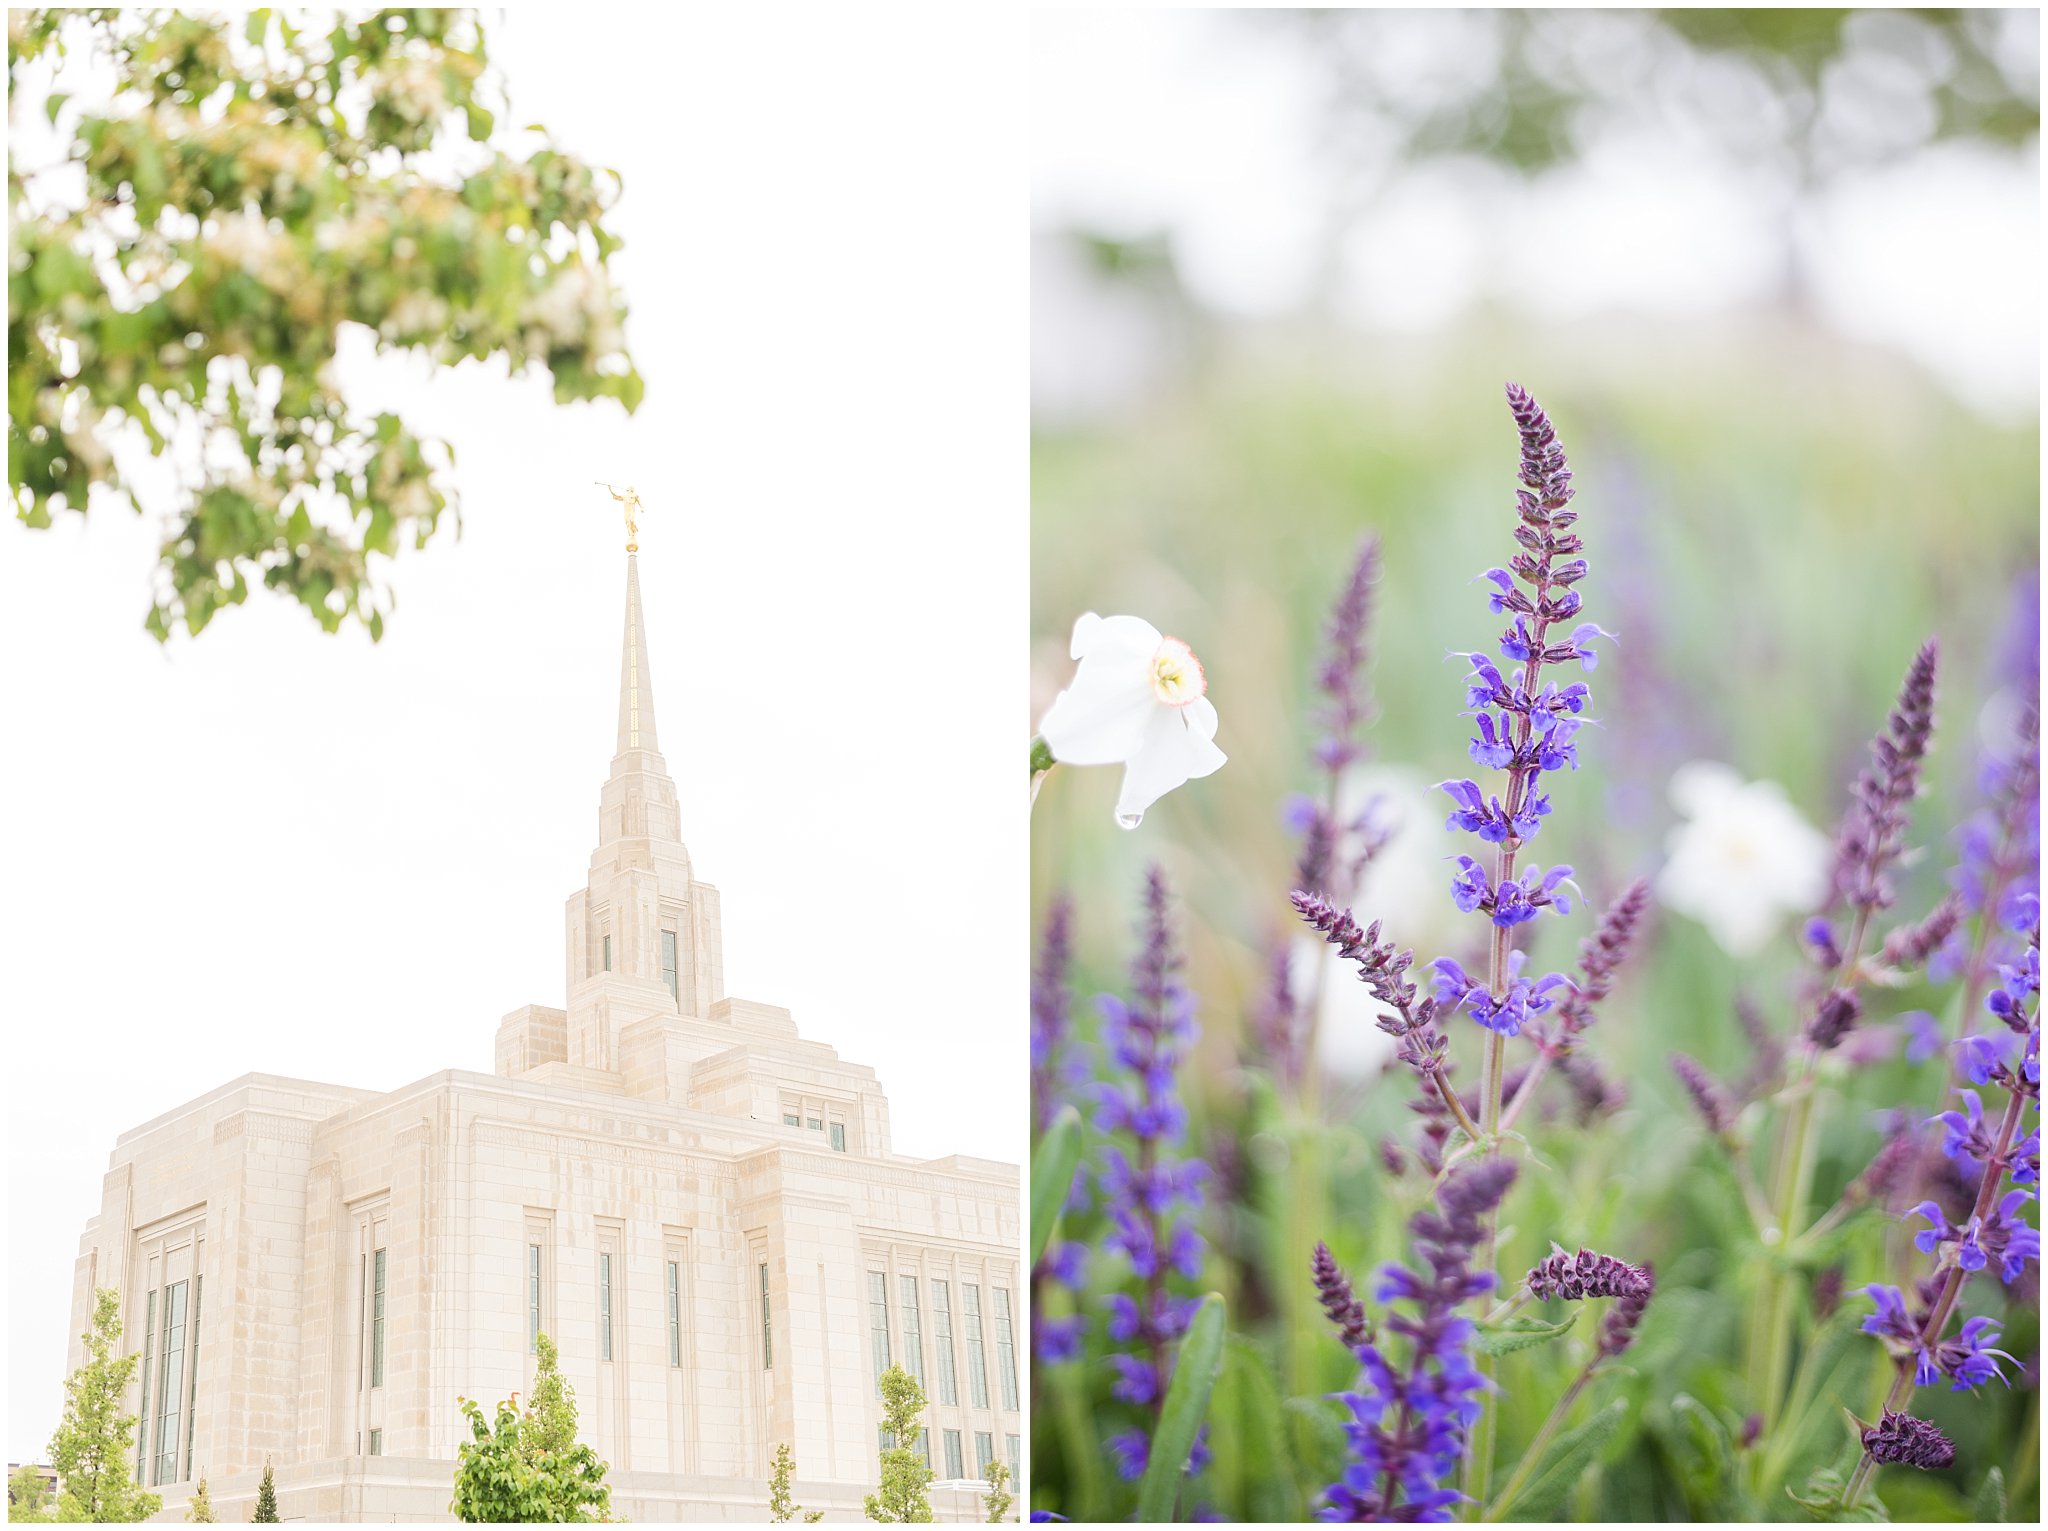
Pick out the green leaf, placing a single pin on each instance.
(1052, 1176)
(1566, 1463)
(55, 104)
(1180, 1417)
(1989, 1505)
(1520, 1334)
(1823, 1499)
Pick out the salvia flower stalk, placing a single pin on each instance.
(1151, 1192)
(1335, 843)
(1413, 1403)
(1995, 1237)
(1524, 728)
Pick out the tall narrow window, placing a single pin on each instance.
(376, 1443)
(984, 1453)
(148, 1355)
(604, 1307)
(668, 962)
(839, 1137)
(170, 1391)
(767, 1323)
(955, 1467)
(913, 1332)
(675, 1314)
(977, 1357)
(1006, 1348)
(192, 1372)
(377, 1320)
(607, 951)
(533, 1298)
(878, 1323)
(1016, 1455)
(942, 1339)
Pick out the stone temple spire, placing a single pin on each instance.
(638, 817)
(636, 691)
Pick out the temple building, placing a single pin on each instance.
(698, 1203)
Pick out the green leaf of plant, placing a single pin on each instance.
(1052, 1176)
(1520, 1334)
(1180, 1418)
(1565, 1463)
(1989, 1505)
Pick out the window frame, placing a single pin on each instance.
(942, 1341)
(379, 1279)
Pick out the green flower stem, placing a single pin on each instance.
(1779, 1290)
(1519, 1479)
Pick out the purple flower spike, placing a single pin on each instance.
(1408, 1421)
(1150, 1196)
(1872, 833)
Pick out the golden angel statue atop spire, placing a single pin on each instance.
(630, 499)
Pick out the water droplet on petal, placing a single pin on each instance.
(1129, 820)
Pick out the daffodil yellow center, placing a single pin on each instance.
(1177, 677)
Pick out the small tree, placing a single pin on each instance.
(905, 1477)
(781, 1506)
(997, 1502)
(28, 1495)
(200, 1510)
(528, 1466)
(266, 1497)
(95, 1441)
(553, 1404)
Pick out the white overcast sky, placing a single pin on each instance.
(272, 850)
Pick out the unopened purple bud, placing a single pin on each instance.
(1910, 945)
(1827, 1293)
(1835, 1018)
(1619, 1330)
(1333, 1287)
(1576, 1277)
(1900, 1440)
(1708, 1098)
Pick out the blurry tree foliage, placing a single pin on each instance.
(224, 196)
(1800, 95)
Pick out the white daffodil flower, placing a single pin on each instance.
(1743, 860)
(1136, 701)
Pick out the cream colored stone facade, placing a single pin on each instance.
(321, 1271)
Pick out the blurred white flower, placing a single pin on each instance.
(1743, 859)
(1407, 888)
(1136, 701)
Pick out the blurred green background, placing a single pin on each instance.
(1776, 514)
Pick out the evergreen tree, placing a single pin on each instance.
(781, 1506)
(28, 1495)
(266, 1497)
(200, 1510)
(998, 1500)
(905, 1477)
(95, 1442)
(527, 1466)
